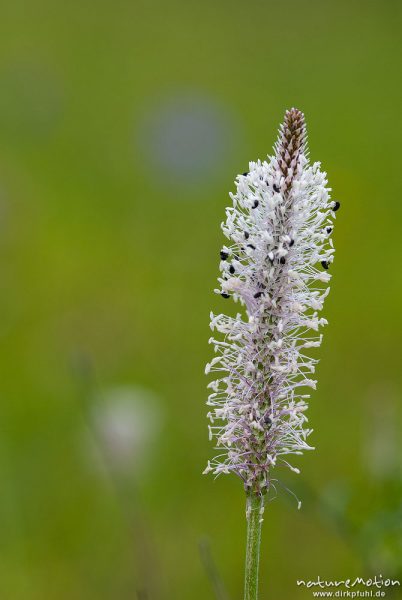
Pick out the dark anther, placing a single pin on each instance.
(257, 294)
(267, 419)
(325, 264)
(251, 246)
(291, 243)
(329, 229)
(336, 206)
(283, 260)
(245, 174)
(246, 235)
(224, 255)
(276, 188)
(225, 295)
(256, 203)
(232, 269)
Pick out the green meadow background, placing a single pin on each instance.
(122, 128)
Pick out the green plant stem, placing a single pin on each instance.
(255, 504)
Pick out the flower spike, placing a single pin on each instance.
(275, 264)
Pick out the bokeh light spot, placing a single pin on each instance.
(186, 138)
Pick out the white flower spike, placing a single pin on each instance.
(276, 265)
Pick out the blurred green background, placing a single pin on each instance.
(122, 127)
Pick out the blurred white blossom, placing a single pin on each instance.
(126, 421)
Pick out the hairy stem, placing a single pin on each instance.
(255, 504)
